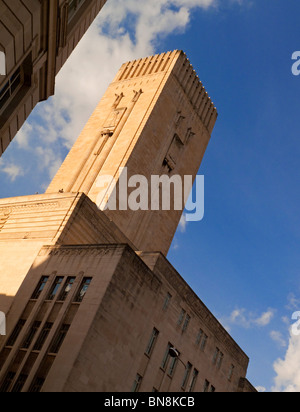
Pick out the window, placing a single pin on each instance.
(186, 323)
(73, 7)
(218, 358)
(40, 288)
(59, 339)
(83, 289)
(152, 342)
(181, 317)
(206, 386)
(67, 289)
(137, 383)
(166, 357)
(186, 376)
(7, 382)
(55, 287)
(212, 389)
(16, 332)
(173, 366)
(194, 380)
(37, 385)
(43, 336)
(230, 374)
(201, 340)
(30, 336)
(9, 89)
(18, 386)
(167, 301)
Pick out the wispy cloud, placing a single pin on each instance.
(11, 170)
(247, 319)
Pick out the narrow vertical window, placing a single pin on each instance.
(18, 386)
(181, 317)
(40, 287)
(167, 301)
(137, 383)
(186, 323)
(43, 336)
(166, 357)
(152, 342)
(59, 339)
(186, 376)
(83, 289)
(16, 332)
(55, 287)
(67, 289)
(30, 336)
(230, 374)
(206, 386)
(7, 382)
(194, 380)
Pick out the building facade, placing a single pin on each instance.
(92, 303)
(37, 37)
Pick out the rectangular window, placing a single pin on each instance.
(67, 289)
(43, 336)
(7, 382)
(167, 301)
(186, 376)
(37, 385)
(206, 386)
(16, 332)
(181, 317)
(83, 289)
(194, 380)
(201, 340)
(186, 323)
(30, 336)
(9, 89)
(152, 342)
(172, 367)
(230, 374)
(73, 7)
(40, 287)
(59, 339)
(55, 288)
(212, 389)
(166, 357)
(18, 386)
(137, 383)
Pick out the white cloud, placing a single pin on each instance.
(287, 370)
(247, 319)
(277, 337)
(11, 170)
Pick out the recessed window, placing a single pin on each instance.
(218, 358)
(10, 376)
(167, 301)
(181, 317)
(166, 357)
(152, 342)
(9, 89)
(137, 383)
(201, 340)
(16, 332)
(193, 380)
(40, 288)
(83, 290)
(43, 336)
(74, 6)
(31, 334)
(186, 376)
(55, 287)
(67, 289)
(186, 323)
(59, 339)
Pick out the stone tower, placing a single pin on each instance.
(91, 302)
(155, 119)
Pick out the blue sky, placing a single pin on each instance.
(243, 258)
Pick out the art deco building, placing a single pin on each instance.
(92, 302)
(37, 37)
